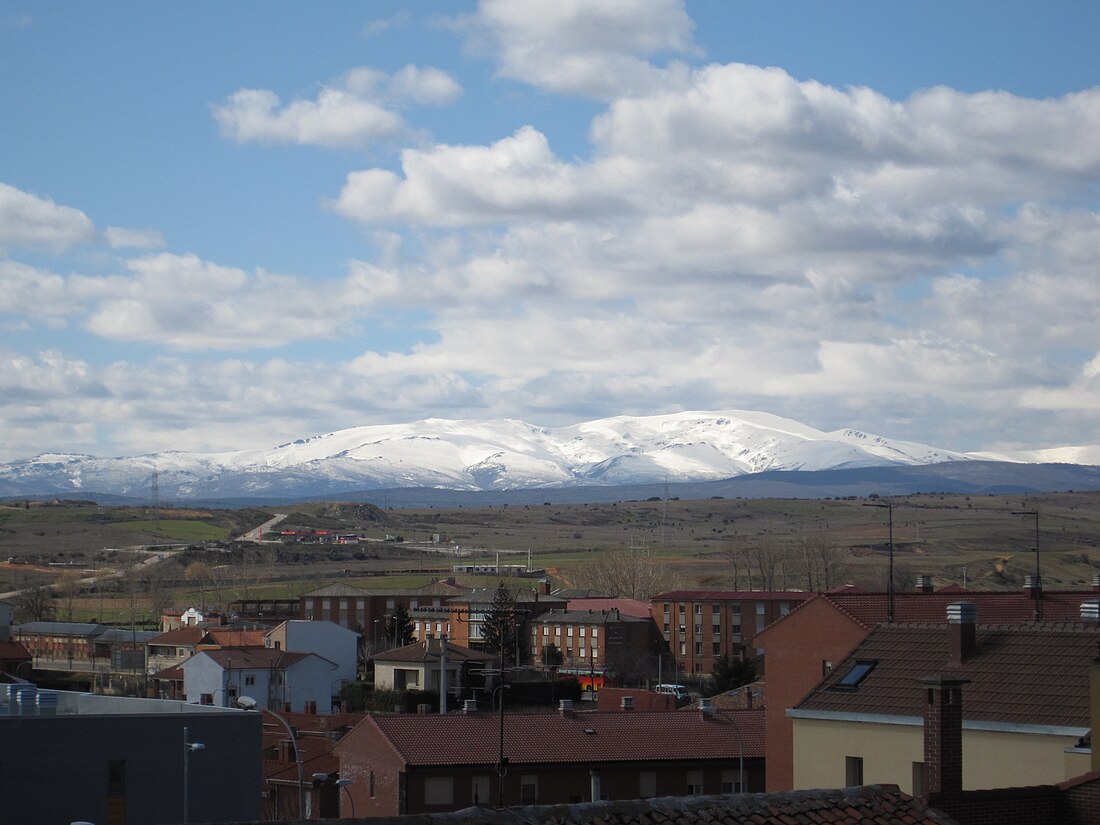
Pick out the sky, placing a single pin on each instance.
(231, 225)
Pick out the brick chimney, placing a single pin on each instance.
(962, 620)
(1096, 583)
(1033, 586)
(565, 708)
(1090, 612)
(626, 703)
(706, 708)
(924, 584)
(943, 764)
(748, 698)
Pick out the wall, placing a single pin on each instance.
(795, 649)
(991, 759)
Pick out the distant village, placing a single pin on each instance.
(940, 705)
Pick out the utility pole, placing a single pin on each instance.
(889, 505)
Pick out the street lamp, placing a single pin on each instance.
(332, 779)
(248, 703)
(502, 761)
(188, 747)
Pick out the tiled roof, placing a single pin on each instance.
(13, 651)
(580, 593)
(1035, 674)
(120, 635)
(627, 607)
(1007, 607)
(253, 658)
(336, 590)
(88, 629)
(237, 638)
(436, 588)
(737, 699)
(181, 636)
(428, 651)
(733, 596)
(596, 736)
(521, 595)
(589, 617)
(870, 804)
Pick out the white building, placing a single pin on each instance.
(275, 679)
(326, 639)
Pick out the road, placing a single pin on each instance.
(256, 534)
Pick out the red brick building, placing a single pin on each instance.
(699, 626)
(421, 763)
(590, 642)
(366, 611)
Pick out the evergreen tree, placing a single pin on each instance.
(399, 629)
(551, 656)
(498, 628)
(730, 672)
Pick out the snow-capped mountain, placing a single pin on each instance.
(483, 455)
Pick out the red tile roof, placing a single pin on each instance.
(595, 736)
(627, 607)
(181, 636)
(254, 658)
(237, 638)
(1007, 607)
(1035, 674)
(734, 595)
(427, 650)
(13, 652)
(869, 805)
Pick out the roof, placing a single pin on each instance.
(870, 804)
(336, 590)
(181, 636)
(590, 736)
(435, 588)
(428, 651)
(252, 658)
(734, 596)
(13, 652)
(88, 629)
(120, 635)
(520, 595)
(1002, 607)
(580, 593)
(589, 617)
(236, 638)
(627, 607)
(1035, 674)
(738, 698)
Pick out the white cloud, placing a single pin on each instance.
(31, 220)
(355, 111)
(597, 48)
(123, 238)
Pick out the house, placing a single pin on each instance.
(700, 626)
(804, 646)
(63, 644)
(71, 757)
(428, 763)
(328, 640)
(462, 617)
(1027, 704)
(275, 679)
(591, 643)
(175, 646)
(419, 666)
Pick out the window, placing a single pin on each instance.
(667, 608)
(582, 630)
(595, 633)
(694, 782)
(918, 779)
(206, 698)
(716, 609)
(438, 628)
(683, 649)
(716, 648)
(856, 674)
(370, 784)
(582, 654)
(853, 771)
(250, 680)
(647, 784)
(390, 604)
(666, 630)
(569, 632)
(438, 790)
(784, 608)
(546, 630)
(698, 630)
(698, 648)
(698, 610)
(529, 789)
(731, 782)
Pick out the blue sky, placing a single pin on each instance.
(231, 225)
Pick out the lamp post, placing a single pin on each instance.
(248, 703)
(1038, 581)
(502, 760)
(188, 747)
(889, 505)
(334, 780)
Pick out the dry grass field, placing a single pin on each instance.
(982, 541)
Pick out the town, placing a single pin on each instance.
(496, 686)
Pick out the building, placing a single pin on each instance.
(700, 626)
(1026, 711)
(84, 643)
(419, 666)
(463, 616)
(804, 646)
(366, 611)
(427, 763)
(590, 644)
(275, 679)
(121, 761)
(328, 640)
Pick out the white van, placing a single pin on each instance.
(679, 691)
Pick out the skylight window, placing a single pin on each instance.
(856, 674)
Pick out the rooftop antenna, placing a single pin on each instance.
(1038, 581)
(889, 505)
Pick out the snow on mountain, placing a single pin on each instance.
(490, 455)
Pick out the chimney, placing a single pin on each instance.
(943, 766)
(544, 585)
(962, 618)
(565, 708)
(1096, 583)
(626, 703)
(1033, 586)
(469, 706)
(1090, 612)
(924, 584)
(748, 698)
(423, 709)
(706, 709)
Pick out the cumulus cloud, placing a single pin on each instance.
(355, 111)
(598, 48)
(30, 220)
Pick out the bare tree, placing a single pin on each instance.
(35, 604)
(768, 557)
(820, 562)
(633, 572)
(736, 553)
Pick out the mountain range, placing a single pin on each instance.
(493, 458)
